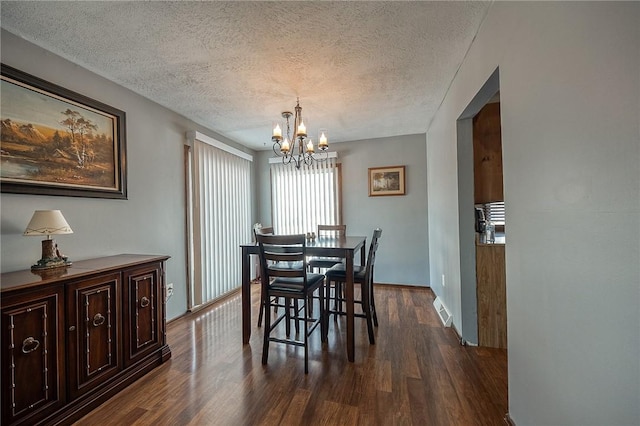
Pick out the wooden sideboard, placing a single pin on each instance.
(74, 337)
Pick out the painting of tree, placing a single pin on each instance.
(58, 142)
(386, 181)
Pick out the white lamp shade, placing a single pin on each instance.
(47, 222)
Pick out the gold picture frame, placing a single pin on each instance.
(388, 180)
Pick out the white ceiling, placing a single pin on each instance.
(361, 69)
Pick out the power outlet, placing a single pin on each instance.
(169, 290)
(443, 282)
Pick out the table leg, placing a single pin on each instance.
(246, 296)
(350, 308)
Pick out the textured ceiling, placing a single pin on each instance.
(361, 69)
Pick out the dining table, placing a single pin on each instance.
(345, 247)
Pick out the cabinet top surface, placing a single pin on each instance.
(21, 279)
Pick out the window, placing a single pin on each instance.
(303, 198)
(219, 217)
(494, 212)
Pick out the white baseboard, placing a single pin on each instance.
(443, 312)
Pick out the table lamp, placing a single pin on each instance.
(49, 222)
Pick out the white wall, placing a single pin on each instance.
(403, 255)
(151, 221)
(570, 98)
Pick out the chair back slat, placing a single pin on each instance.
(332, 230)
(277, 256)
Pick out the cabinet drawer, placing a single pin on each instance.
(144, 311)
(32, 358)
(93, 312)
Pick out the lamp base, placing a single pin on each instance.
(51, 257)
(58, 262)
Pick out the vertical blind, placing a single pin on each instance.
(303, 198)
(220, 205)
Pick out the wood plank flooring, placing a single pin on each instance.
(417, 373)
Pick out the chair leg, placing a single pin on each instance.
(327, 300)
(262, 307)
(310, 302)
(338, 294)
(373, 306)
(323, 324)
(263, 303)
(306, 338)
(287, 316)
(267, 331)
(260, 314)
(310, 297)
(329, 297)
(296, 310)
(366, 307)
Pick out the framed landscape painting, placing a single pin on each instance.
(386, 181)
(58, 142)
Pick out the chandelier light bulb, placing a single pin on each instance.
(310, 146)
(302, 129)
(285, 146)
(322, 140)
(277, 132)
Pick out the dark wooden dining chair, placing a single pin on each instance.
(363, 275)
(284, 274)
(320, 263)
(275, 302)
(266, 230)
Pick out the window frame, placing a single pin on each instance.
(338, 215)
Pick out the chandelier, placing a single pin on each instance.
(298, 149)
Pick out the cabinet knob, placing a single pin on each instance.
(29, 345)
(98, 320)
(144, 302)
(72, 328)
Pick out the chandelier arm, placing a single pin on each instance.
(278, 153)
(310, 158)
(297, 161)
(286, 159)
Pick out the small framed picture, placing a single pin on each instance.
(386, 181)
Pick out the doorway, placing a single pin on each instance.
(474, 258)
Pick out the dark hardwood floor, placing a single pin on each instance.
(417, 373)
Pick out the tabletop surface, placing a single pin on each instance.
(10, 281)
(348, 242)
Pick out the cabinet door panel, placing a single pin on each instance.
(94, 352)
(32, 366)
(144, 300)
(487, 155)
(491, 293)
